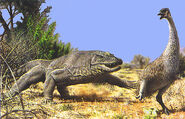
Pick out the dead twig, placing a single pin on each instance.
(20, 98)
(18, 111)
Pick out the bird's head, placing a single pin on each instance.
(164, 13)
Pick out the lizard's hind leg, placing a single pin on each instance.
(34, 75)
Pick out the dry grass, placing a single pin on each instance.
(95, 101)
(175, 95)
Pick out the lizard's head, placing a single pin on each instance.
(106, 60)
(164, 13)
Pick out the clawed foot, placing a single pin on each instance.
(140, 97)
(166, 111)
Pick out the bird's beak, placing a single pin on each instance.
(161, 15)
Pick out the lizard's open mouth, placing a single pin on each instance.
(110, 67)
(114, 66)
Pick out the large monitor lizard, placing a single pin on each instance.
(78, 67)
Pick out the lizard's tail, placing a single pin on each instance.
(131, 84)
(114, 80)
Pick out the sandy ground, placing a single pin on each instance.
(96, 101)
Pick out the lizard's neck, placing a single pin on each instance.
(173, 44)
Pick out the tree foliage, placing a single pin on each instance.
(30, 37)
(38, 35)
(49, 47)
(15, 7)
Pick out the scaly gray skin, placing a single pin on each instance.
(162, 72)
(29, 65)
(30, 73)
(78, 67)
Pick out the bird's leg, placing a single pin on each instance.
(160, 101)
(142, 90)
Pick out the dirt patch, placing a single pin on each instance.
(92, 101)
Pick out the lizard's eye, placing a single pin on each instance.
(101, 56)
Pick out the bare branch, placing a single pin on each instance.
(11, 15)
(14, 14)
(3, 22)
(20, 97)
(18, 111)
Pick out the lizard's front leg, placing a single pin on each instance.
(49, 86)
(54, 78)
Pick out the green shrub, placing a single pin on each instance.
(126, 65)
(49, 45)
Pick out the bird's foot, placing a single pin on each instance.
(166, 111)
(140, 97)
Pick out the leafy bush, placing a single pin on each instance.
(49, 46)
(126, 65)
(17, 51)
(27, 39)
(140, 61)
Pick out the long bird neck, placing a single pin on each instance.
(171, 53)
(173, 44)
